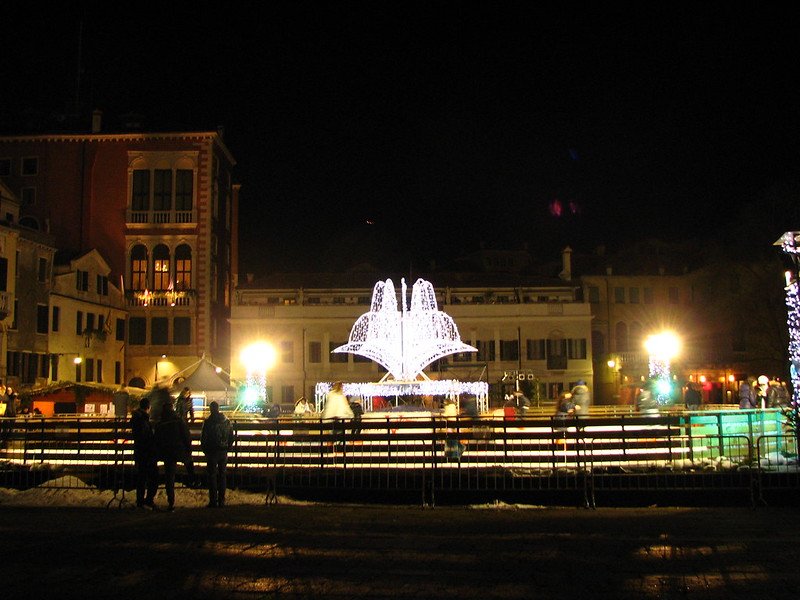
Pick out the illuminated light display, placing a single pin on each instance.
(662, 348)
(404, 341)
(788, 242)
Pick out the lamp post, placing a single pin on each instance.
(257, 358)
(662, 348)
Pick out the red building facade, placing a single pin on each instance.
(160, 209)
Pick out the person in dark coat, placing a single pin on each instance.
(216, 438)
(747, 395)
(144, 455)
(173, 443)
(692, 397)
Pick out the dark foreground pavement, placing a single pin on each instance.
(330, 551)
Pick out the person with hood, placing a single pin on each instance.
(581, 397)
(216, 438)
(747, 395)
(173, 442)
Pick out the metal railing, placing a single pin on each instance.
(437, 458)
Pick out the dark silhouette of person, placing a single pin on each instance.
(184, 406)
(216, 438)
(144, 455)
(173, 442)
(692, 397)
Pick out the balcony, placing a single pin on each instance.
(168, 298)
(160, 217)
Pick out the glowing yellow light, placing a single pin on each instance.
(77, 360)
(258, 357)
(702, 378)
(611, 364)
(731, 378)
(664, 346)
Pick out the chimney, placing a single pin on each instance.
(566, 264)
(97, 120)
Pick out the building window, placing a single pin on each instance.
(486, 351)
(5, 167)
(120, 335)
(3, 274)
(337, 357)
(621, 337)
(42, 270)
(182, 331)
(161, 279)
(30, 165)
(162, 189)
(183, 267)
(674, 295)
(56, 322)
(314, 352)
(159, 331)
(89, 369)
(509, 350)
(82, 281)
(99, 370)
(89, 321)
(594, 294)
(78, 377)
(184, 189)
(137, 334)
(648, 295)
(619, 295)
(633, 295)
(79, 323)
(28, 196)
(14, 316)
(54, 367)
(287, 394)
(140, 195)
(287, 352)
(41, 318)
(102, 285)
(117, 372)
(139, 268)
(576, 348)
(535, 349)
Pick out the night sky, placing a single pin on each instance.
(400, 133)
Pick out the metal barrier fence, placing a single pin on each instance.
(434, 459)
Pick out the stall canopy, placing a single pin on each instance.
(202, 377)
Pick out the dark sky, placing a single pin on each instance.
(405, 132)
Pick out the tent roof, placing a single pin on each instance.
(205, 379)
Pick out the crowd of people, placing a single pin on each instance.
(165, 438)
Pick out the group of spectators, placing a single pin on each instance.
(763, 393)
(161, 434)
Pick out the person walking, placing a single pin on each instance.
(144, 455)
(172, 443)
(216, 438)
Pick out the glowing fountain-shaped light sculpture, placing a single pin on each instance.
(405, 341)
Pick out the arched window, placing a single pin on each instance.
(139, 267)
(622, 337)
(636, 336)
(137, 382)
(183, 267)
(161, 276)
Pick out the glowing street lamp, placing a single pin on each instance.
(662, 348)
(258, 358)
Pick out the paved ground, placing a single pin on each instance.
(290, 551)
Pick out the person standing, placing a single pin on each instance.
(144, 455)
(582, 397)
(747, 395)
(172, 443)
(216, 438)
(184, 406)
(692, 397)
(10, 400)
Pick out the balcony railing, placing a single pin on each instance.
(161, 217)
(159, 298)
